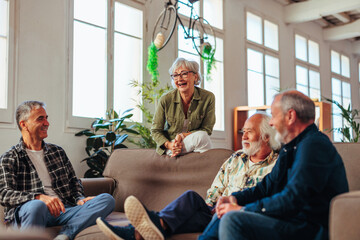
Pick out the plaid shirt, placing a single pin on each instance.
(19, 181)
(236, 174)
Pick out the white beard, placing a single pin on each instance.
(254, 147)
(280, 137)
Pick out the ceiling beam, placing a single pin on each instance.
(346, 31)
(343, 17)
(315, 9)
(356, 47)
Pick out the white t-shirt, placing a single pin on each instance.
(37, 158)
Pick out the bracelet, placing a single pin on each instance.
(182, 136)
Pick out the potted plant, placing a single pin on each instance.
(351, 130)
(150, 94)
(104, 137)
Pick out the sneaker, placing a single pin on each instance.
(147, 223)
(61, 237)
(115, 232)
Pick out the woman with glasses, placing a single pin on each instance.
(185, 116)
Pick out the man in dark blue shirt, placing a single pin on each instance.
(292, 202)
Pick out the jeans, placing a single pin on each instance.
(211, 232)
(238, 225)
(73, 220)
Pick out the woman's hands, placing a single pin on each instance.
(176, 145)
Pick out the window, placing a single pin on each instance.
(213, 13)
(107, 56)
(341, 90)
(7, 14)
(263, 68)
(307, 60)
(4, 35)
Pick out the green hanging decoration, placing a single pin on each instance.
(209, 59)
(152, 63)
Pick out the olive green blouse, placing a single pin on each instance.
(169, 116)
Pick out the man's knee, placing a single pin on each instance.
(233, 218)
(34, 207)
(33, 213)
(106, 199)
(190, 193)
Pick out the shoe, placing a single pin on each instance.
(61, 237)
(115, 232)
(147, 223)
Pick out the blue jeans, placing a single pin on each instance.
(73, 220)
(238, 225)
(211, 232)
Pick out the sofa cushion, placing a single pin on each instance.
(350, 154)
(157, 180)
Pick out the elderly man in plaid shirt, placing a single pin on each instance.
(190, 212)
(38, 186)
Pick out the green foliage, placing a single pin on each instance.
(150, 94)
(104, 137)
(152, 63)
(209, 59)
(351, 130)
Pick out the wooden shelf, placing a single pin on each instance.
(322, 120)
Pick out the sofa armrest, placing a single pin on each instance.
(345, 216)
(30, 234)
(96, 186)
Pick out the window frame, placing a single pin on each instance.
(342, 79)
(261, 48)
(7, 118)
(74, 122)
(306, 64)
(219, 33)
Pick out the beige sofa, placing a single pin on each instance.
(157, 180)
(345, 208)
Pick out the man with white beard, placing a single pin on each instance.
(190, 213)
(293, 201)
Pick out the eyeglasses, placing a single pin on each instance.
(183, 74)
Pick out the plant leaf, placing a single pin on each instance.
(110, 136)
(121, 139)
(98, 143)
(120, 146)
(86, 132)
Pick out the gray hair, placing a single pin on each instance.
(24, 109)
(300, 103)
(267, 130)
(190, 65)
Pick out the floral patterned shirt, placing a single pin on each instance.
(236, 174)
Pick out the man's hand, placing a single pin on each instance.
(84, 200)
(226, 204)
(54, 204)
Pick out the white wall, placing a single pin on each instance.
(42, 63)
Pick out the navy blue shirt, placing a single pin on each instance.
(308, 174)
